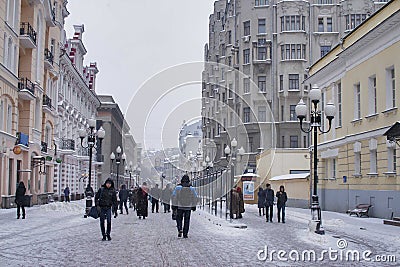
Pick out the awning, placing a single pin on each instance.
(249, 174)
(290, 176)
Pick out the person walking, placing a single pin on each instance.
(123, 199)
(281, 203)
(269, 203)
(234, 213)
(66, 194)
(106, 201)
(20, 199)
(166, 198)
(241, 202)
(141, 201)
(261, 201)
(155, 194)
(184, 200)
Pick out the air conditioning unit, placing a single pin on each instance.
(246, 39)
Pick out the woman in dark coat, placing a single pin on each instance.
(19, 199)
(141, 201)
(261, 201)
(241, 202)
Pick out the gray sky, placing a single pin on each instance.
(132, 40)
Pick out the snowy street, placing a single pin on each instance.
(57, 235)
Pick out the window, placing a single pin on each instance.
(283, 141)
(261, 2)
(357, 102)
(372, 95)
(246, 28)
(339, 103)
(251, 144)
(390, 88)
(372, 162)
(294, 82)
(9, 119)
(294, 142)
(262, 87)
(320, 24)
(261, 26)
(305, 141)
(246, 56)
(292, 23)
(1, 114)
(333, 168)
(262, 49)
(329, 24)
(293, 51)
(229, 37)
(293, 116)
(246, 114)
(230, 88)
(246, 85)
(280, 82)
(392, 159)
(262, 114)
(357, 163)
(218, 15)
(231, 119)
(282, 113)
(325, 49)
(353, 20)
(324, 2)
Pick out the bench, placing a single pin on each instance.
(360, 210)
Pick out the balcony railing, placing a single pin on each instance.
(26, 84)
(27, 29)
(47, 101)
(68, 144)
(22, 139)
(48, 56)
(44, 147)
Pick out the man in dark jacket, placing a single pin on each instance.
(66, 194)
(106, 199)
(155, 194)
(261, 201)
(269, 202)
(166, 198)
(19, 199)
(184, 200)
(281, 203)
(123, 199)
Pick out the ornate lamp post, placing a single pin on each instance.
(315, 126)
(118, 159)
(92, 135)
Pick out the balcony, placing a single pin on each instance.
(47, 107)
(48, 59)
(67, 144)
(43, 146)
(27, 35)
(26, 89)
(22, 139)
(50, 14)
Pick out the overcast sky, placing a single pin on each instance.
(132, 40)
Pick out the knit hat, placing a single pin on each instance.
(185, 179)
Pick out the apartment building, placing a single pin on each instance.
(256, 62)
(357, 164)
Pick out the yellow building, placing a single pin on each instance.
(287, 167)
(28, 77)
(361, 76)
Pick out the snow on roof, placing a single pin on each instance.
(290, 176)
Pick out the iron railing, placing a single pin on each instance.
(48, 55)
(27, 29)
(68, 144)
(26, 84)
(47, 101)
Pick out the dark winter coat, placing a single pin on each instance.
(241, 200)
(281, 198)
(141, 202)
(269, 197)
(261, 198)
(107, 197)
(20, 193)
(66, 191)
(184, 197)
(123, 195)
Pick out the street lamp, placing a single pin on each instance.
(118, 159)
(91, 135)
(129, 170)
(301, 111)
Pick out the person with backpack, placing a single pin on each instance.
(184, 201)
(123, 199)
(281, 203)
(269, 203)
(20, 199)
(106, 201)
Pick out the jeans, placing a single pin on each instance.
(269, 212)
(166, 207)
(105, 213)
(154, 203)
(67, 199)
(124, 203)
(19, 207)
(281, 207)
(183, 215)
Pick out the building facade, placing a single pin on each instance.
(255, 65)
(361, 76)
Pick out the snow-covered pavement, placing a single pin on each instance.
(57, 235)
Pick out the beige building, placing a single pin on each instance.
(361, 76)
